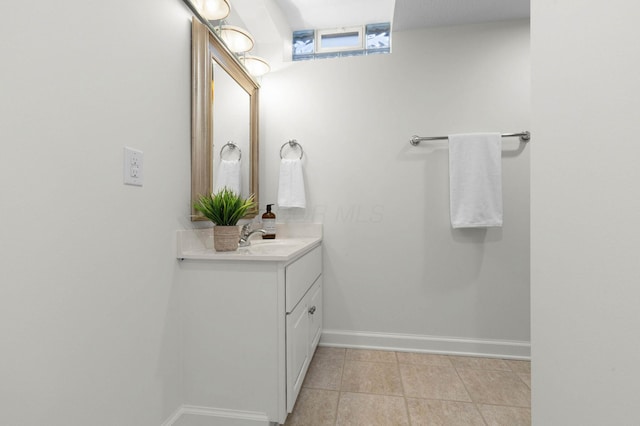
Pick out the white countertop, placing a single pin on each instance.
(292, 241)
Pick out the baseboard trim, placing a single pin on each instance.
(217, 416)
(508, 349)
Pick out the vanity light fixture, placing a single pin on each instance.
(237, 39)
(256, 66)
(214, 10)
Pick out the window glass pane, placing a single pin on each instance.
(377, 51)
(303, 57)
(303, 43)
(378, 36)
(350, 39)
(352, 53)
(327, 55)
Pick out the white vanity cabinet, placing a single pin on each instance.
(249, 330)
(304, 318)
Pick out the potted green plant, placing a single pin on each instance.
(224, 208)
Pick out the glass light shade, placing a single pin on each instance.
(255, 65)
(214, 9)
(237, 39)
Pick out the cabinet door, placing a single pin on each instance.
(315, 315)
(297, 351)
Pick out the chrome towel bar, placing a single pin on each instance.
(415, 140)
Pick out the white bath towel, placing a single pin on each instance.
(291, 184)
(475, 180)
(228, 176)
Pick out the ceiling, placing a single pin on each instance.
(405, 14)
(272, 21)
(319, 14)
(411, 14)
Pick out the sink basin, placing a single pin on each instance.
(274, 247)
(278, 249)
(273, 243)
(198, 245)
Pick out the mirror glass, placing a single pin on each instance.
(224, 110)
(231, 129)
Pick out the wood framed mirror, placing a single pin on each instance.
(224, 108)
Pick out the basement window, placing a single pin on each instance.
(342, 40)
(353, 41)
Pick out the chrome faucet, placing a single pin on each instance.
(246, 233)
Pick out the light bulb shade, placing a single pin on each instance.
(255, 65)
(214, 10)
(237, 39)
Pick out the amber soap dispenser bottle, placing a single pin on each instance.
(269, 224)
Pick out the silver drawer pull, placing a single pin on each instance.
(312, 310)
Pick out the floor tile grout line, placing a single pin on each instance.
(493, 404)
(395, 361)
(518, 378)
(475, 404)
(523, 381)
(408, 396)
(404, 394)
(335, 416)
(371, 362)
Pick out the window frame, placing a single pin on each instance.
(338, 31)
(313, 38)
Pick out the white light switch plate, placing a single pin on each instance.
(133, 170)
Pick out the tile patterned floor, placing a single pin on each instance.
(368, 388)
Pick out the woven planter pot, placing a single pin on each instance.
(225, 238)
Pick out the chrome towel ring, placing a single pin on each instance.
(293, 144)
(231, 146)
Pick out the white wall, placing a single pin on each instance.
(88, 303)
(585, 209)
(393, 264)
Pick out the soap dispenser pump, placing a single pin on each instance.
(269, 224)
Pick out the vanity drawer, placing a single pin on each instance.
(300, 276)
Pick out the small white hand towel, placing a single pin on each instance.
(475, 180)
(291, 184)
(228, 176)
